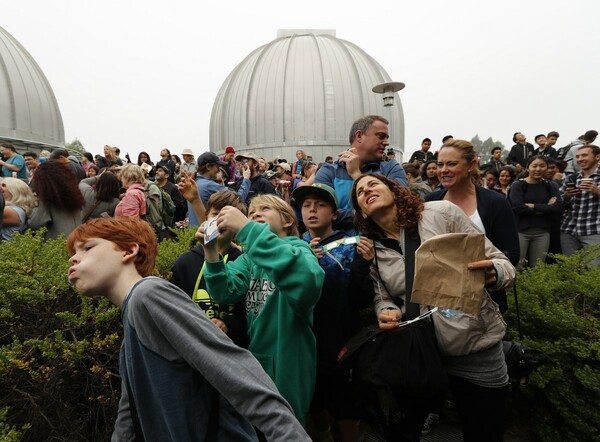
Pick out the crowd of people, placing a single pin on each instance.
(289, 253)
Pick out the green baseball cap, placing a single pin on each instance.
(322, 190)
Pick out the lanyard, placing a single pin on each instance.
(195, 296)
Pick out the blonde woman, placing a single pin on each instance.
(133, 203)
(19, 202)
(110, 159)
(298, 165)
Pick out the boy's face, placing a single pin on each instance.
(317, 213)
(264, 214)
(212, 213)
(95, 266)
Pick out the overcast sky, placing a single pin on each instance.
(143, 75)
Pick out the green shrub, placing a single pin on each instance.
(59, 351)
(560, 314)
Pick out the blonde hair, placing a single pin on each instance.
(467, 151)
(132, 173)
(20, 194)
(112, 153)
(284, 209)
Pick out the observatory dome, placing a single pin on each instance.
(303, 91)
(29, 113)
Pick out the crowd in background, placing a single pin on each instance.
(533, 202)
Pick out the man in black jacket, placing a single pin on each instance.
(520, 152)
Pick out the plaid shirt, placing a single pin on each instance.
(581, 218)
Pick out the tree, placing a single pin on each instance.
(484, 148)
(76, 146)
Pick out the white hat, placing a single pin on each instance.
(285, 166)
(187, 151)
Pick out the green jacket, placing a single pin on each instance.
(280, 280)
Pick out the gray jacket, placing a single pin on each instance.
(456, 336)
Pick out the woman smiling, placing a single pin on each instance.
(488, 210)
(533, 200)
(386, 212)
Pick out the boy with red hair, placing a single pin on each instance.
(182, 378)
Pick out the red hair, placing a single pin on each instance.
(124, 233)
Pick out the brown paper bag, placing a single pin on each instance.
(441, 275)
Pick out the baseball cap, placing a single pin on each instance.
(322, 190)
(163, 167)
(285, 166)
(247, 156)
(210, 158)
(229, 149)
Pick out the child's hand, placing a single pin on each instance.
(200, 237)
(316, 247)
(365, 248)
(220, 324)
(231, 220)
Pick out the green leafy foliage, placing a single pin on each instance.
(59, 351)
(560, 314)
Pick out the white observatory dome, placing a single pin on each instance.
(29, 113)
(303, 91)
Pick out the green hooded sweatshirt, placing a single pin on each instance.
(280, 280)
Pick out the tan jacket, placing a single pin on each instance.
(460, 335)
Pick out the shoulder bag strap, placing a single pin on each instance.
(412, 241)
(89, 212)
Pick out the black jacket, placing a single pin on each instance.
(185, 272)
(519, 153)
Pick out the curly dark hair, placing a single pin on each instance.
(409, 208)
(56, 186)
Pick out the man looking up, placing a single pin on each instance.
(572, 165)
(12, 162)
(368, 141)
(520, 152)
(172, 354)
(259, 184)
(208, 167)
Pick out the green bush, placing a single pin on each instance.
(59, 351)
(560, 314)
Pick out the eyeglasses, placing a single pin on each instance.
(349, 240)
